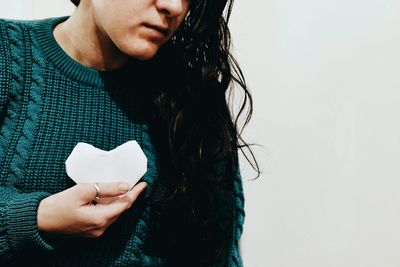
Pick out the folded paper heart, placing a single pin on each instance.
(88, 164)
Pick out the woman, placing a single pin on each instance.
(155, 71)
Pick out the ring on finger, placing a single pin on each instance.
(96, 186)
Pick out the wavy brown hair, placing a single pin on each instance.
(197, 136)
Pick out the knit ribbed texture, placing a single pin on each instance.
(49, 103)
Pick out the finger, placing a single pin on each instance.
(86, 192)
(127, 198)
(134, 193)
(107, 200)
(122, 203)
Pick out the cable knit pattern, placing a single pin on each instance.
(19, 209)
(31, 105)
(49, 103)
(239, 215)
(5, 74)
(15, 42)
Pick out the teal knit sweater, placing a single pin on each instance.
(49, 103)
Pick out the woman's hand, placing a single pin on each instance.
(71, 211)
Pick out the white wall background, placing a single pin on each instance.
(325, 77)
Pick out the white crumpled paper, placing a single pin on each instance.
(88, 164)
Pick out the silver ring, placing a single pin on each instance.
(96, 185)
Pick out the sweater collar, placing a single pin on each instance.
(52, 51)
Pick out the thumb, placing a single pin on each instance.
(86, 192)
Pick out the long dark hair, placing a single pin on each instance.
(197, 135)
(200, 137)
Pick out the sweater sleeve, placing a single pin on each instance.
(239, 216)
(236, 214)
(236, 198)
(18, 222)
(18, 210)
(5, 65)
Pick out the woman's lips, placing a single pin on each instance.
(162, 30)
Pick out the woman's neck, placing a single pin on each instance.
(88, 45)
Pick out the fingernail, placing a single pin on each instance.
(123, 187)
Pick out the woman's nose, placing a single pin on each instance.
(172, 8)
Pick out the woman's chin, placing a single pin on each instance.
(142, 52)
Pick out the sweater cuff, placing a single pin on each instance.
(21, 221)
